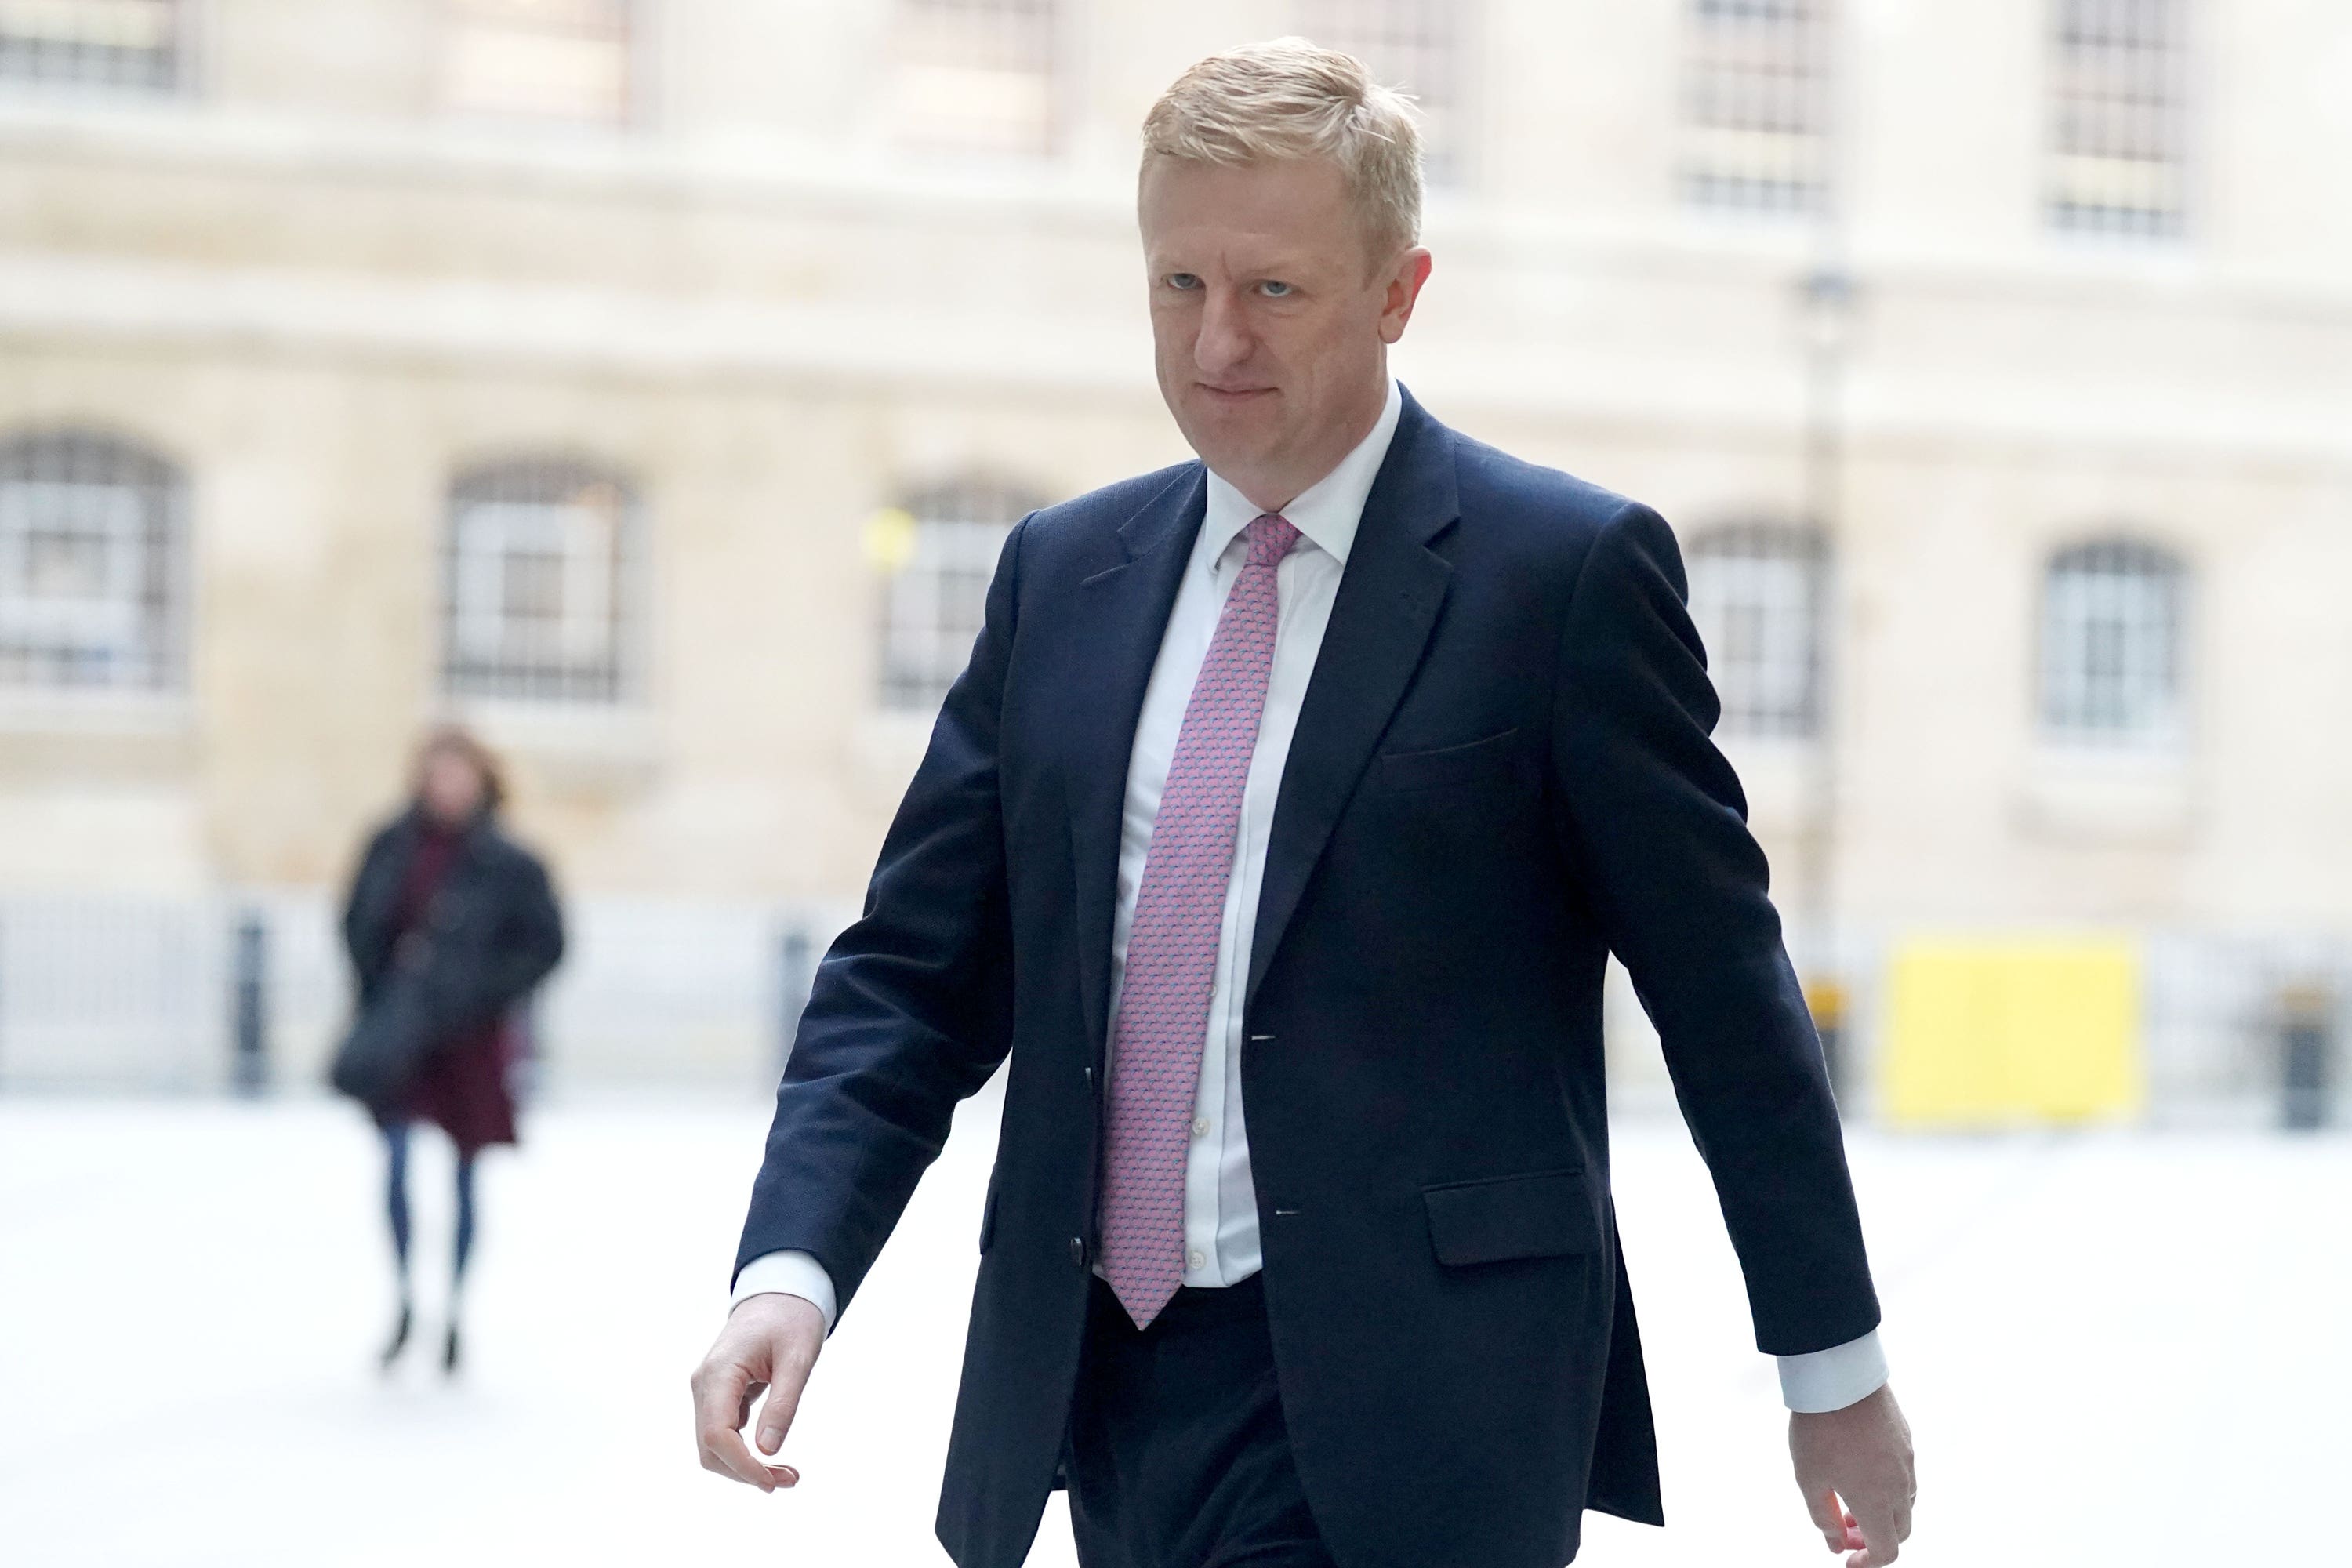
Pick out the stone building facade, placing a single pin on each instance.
(648, 384)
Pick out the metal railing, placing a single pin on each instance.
(2242, 1027)
(249, 991)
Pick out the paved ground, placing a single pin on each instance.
(2117, 1350)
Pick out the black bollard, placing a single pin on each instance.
(2305, 1070)
(249, 1005)
(794, 991)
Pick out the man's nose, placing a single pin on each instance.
(1225, 341)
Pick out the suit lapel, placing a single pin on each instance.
(1118, 618)
(1388, 601)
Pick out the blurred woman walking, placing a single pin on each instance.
(450, 925)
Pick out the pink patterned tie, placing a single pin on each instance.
(1171, 947)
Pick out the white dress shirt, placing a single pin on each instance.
(1221, 1223)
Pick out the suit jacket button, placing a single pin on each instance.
(1078, 1250)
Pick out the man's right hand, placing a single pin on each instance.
(769, 1343)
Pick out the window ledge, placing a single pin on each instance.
(886, 748)
(570, 751)
(2119, 797)
(117, 732)
(1780, 777)
(68, 713)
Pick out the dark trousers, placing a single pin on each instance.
(1179, 1458)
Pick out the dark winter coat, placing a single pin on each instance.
(489, 932)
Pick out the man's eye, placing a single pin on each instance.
(1274, 290)
(1182, 280)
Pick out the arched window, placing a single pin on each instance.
(2118, 120)
(133, 45)
(543, 590)
(1756, 592)
(934, 602)
(1419, 47)
(1755, 105)
(93, 564)
(2112, 633)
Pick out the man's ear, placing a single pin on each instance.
(1404, 283)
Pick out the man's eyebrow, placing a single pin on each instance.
(1288, 266)
(1292, 265)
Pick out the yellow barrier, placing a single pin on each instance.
(1998, 1033)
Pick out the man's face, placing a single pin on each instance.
(1269, 318)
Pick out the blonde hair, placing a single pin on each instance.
(1289, 99)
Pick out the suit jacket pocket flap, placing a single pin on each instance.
(1546, 1214)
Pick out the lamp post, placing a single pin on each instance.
(1826, 301)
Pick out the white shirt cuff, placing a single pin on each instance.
(1825, 1379)
(788, 1274)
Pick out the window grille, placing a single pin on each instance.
(1415, 45)
(1758, 595)
(2117, 116)
(93, 564)
(2112, 644)
(545, 59)
(976, 75)
(128, 44)
(1755, 105)
(543, 586)
(933, 606)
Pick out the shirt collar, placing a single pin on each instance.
(1327, 511)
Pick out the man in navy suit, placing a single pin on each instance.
(1279, 830)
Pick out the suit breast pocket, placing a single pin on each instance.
(1434, 766)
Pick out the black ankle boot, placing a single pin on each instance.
(399, 1337)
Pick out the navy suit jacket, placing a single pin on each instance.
(1502, 773)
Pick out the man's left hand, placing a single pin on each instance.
(1855, 1468)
